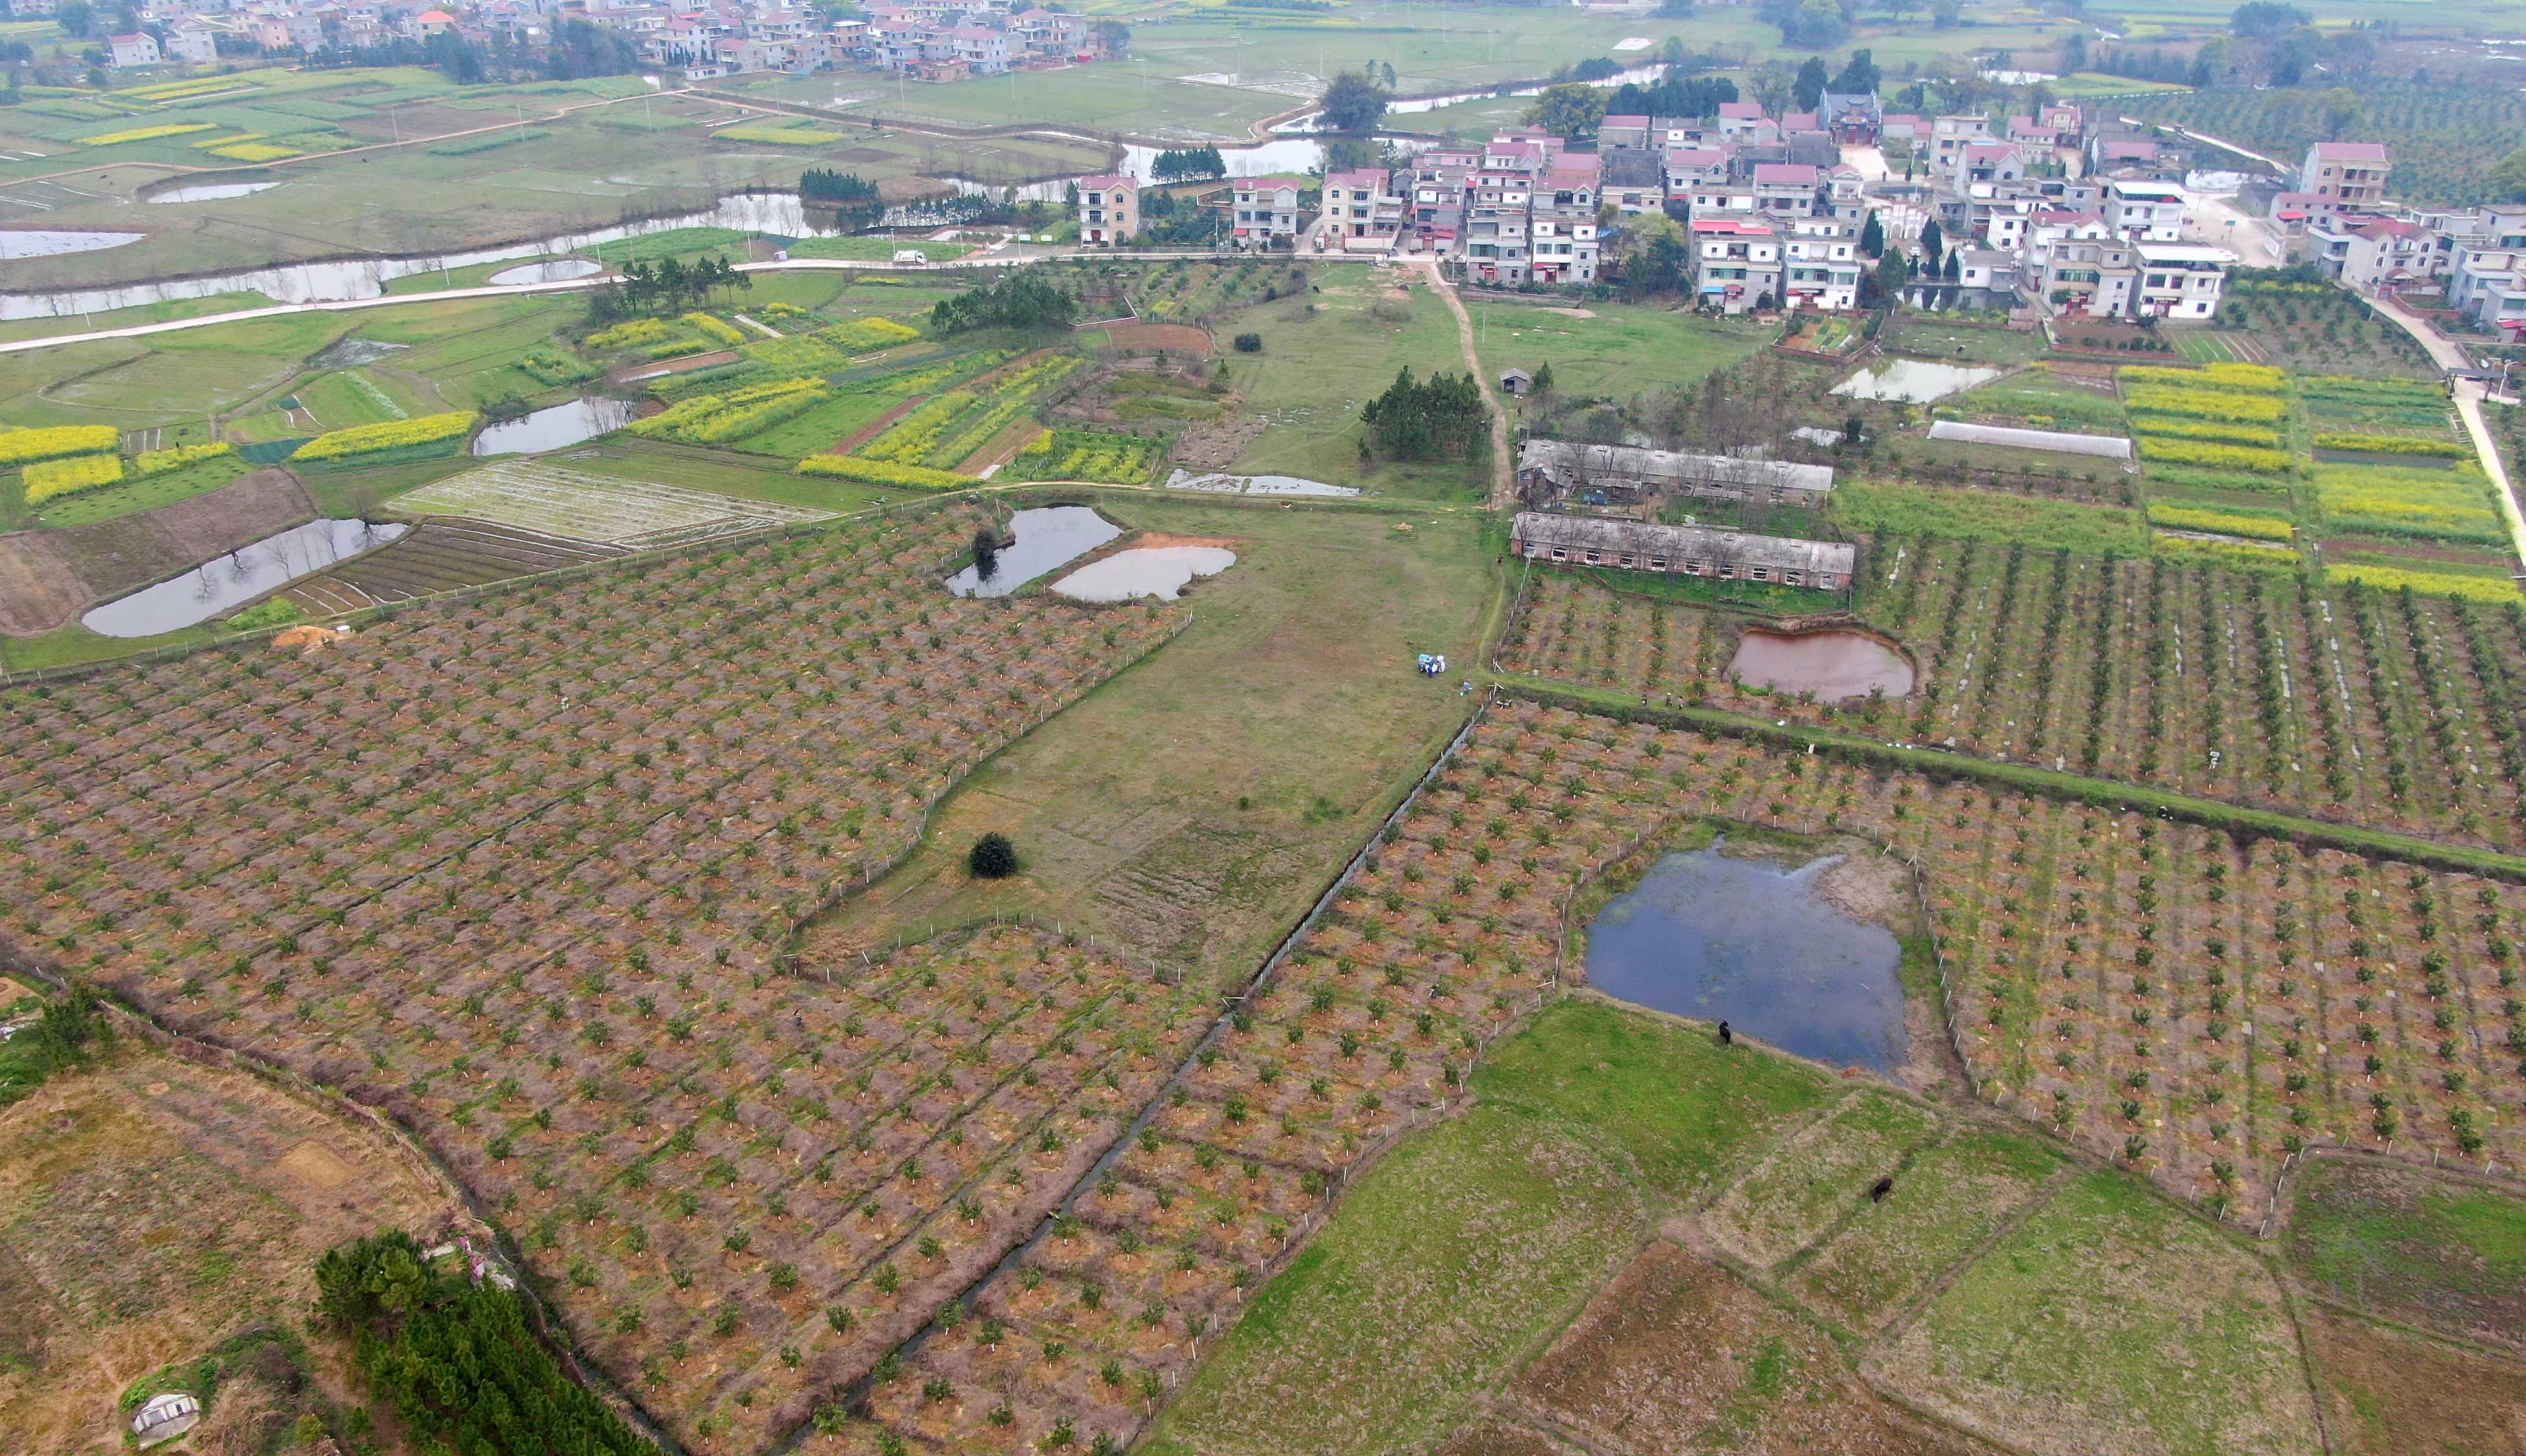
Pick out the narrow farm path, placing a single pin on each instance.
(2468, 407)
(1503, 469)
(2467, 394)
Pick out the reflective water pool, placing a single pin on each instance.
(1915, 381)
(555, 426)
(241, 575)
(1144, 570)
(1752, 942)
(1046, 537)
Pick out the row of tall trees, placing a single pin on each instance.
(1024, 300)
(578, 48)
(670, 287)
(853, 198)
(1188, 164)
(459, 1360)
(1441, 418)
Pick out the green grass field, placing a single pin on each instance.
(2104, 1318)
(1946, 1201)
(1498, 1218)
(2109, 1320)
(2398, 1243)
(114, 501)
(1624, 350)
(1353, 337)
(1272, 735)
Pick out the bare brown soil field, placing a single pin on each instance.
(156, 1205)
(1174, 338)
(49, 576)
(1493, 1436)
(1677, 1354)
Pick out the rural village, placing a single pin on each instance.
(1235, 728)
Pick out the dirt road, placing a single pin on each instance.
(1504, 468)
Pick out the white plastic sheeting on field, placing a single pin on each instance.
(2107, 446)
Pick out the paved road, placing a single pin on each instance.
(2220, 222)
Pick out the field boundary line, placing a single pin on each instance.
(2028, 778)
(1893, 1326)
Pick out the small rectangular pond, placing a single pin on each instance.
(247, 573)
(1915, 381)
(555, 426)
(1764, 945)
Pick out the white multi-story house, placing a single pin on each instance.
(1820, 265)
(1359, 203)
(1949, 136)
(1266, 209)
(2047, 229)
(980, 49)
(1109, 210)
(2351, 173)
(2180, 280)
(2097, 279)
(2139, 211)
(2366, 254)
(135, 49)
(2489, 284)
(1736, 263)
(1786, 189)
(192, 44)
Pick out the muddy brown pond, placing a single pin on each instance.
(1835, 665)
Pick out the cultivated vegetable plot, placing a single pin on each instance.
(526, 872)
(558, 502)
(2343, 699)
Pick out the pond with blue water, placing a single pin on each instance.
(1786, 949)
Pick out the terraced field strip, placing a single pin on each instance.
(575, 506)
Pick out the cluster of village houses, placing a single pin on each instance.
(2063, 212)
(931, 39)
(2054, 212)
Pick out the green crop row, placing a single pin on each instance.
(2215, 457)
(2392, 445)
(882, 473)
(2207, 404)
